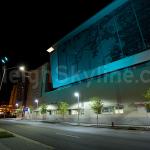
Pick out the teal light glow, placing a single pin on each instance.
(109, 41)
(3, 61)
(6, 58)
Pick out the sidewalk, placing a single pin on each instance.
(21, 143)
(126, 127)
(115, 126)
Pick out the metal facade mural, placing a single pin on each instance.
(122, 33)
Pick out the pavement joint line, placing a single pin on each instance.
(68, 135)
(128, 131)
(30, 140)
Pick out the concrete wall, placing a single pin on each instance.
(125, 87)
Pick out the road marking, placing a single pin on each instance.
(32, 141)
(68, 135)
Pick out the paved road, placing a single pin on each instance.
(79, 138)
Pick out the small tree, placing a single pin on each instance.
(43, 109)
(30, 111)
(96, 106)
(19, 111)
(63, 108)
(147, 97)
(31, 108)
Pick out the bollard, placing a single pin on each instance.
(112, 124)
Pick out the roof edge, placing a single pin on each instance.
(106, 10)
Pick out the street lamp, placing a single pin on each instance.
(4, 60)
(37, 102)
(17, 109)
(17, 105)
(76, 94)
(22, 68)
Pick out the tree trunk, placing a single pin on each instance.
(63, 117)
(97, 119)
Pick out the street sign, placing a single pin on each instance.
(25, 109)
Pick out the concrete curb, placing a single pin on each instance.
(123, 127)
(117, 127)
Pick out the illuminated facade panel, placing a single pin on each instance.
(115, 38)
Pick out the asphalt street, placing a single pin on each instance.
(66, 137)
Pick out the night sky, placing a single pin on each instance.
(28, 29)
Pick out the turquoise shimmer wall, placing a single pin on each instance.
(115, 38)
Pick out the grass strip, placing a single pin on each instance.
(5, 134)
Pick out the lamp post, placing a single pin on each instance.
(25, 74)
(76, 94)
(17, 109)
(4, 61)
(4, 71)
(17, 105)
(37, 102)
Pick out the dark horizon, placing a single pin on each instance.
(28, 30)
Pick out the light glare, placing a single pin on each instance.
(22, 68)
(3, 61)
(6, 58)
(36, 101)
(76, 94)
(50, 49)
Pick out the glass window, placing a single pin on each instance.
(109, 109)
(119, 109)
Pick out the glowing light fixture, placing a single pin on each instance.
(50, 49)
(6, 58)
(22, 68)
(37, 102)
(3, 61)
(17, 105)
(76, 94)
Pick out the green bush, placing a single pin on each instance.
(147, 106)
(63, 108)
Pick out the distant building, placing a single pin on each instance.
(39, 83)
(31, 85)
(13, 96)
(19, 93)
